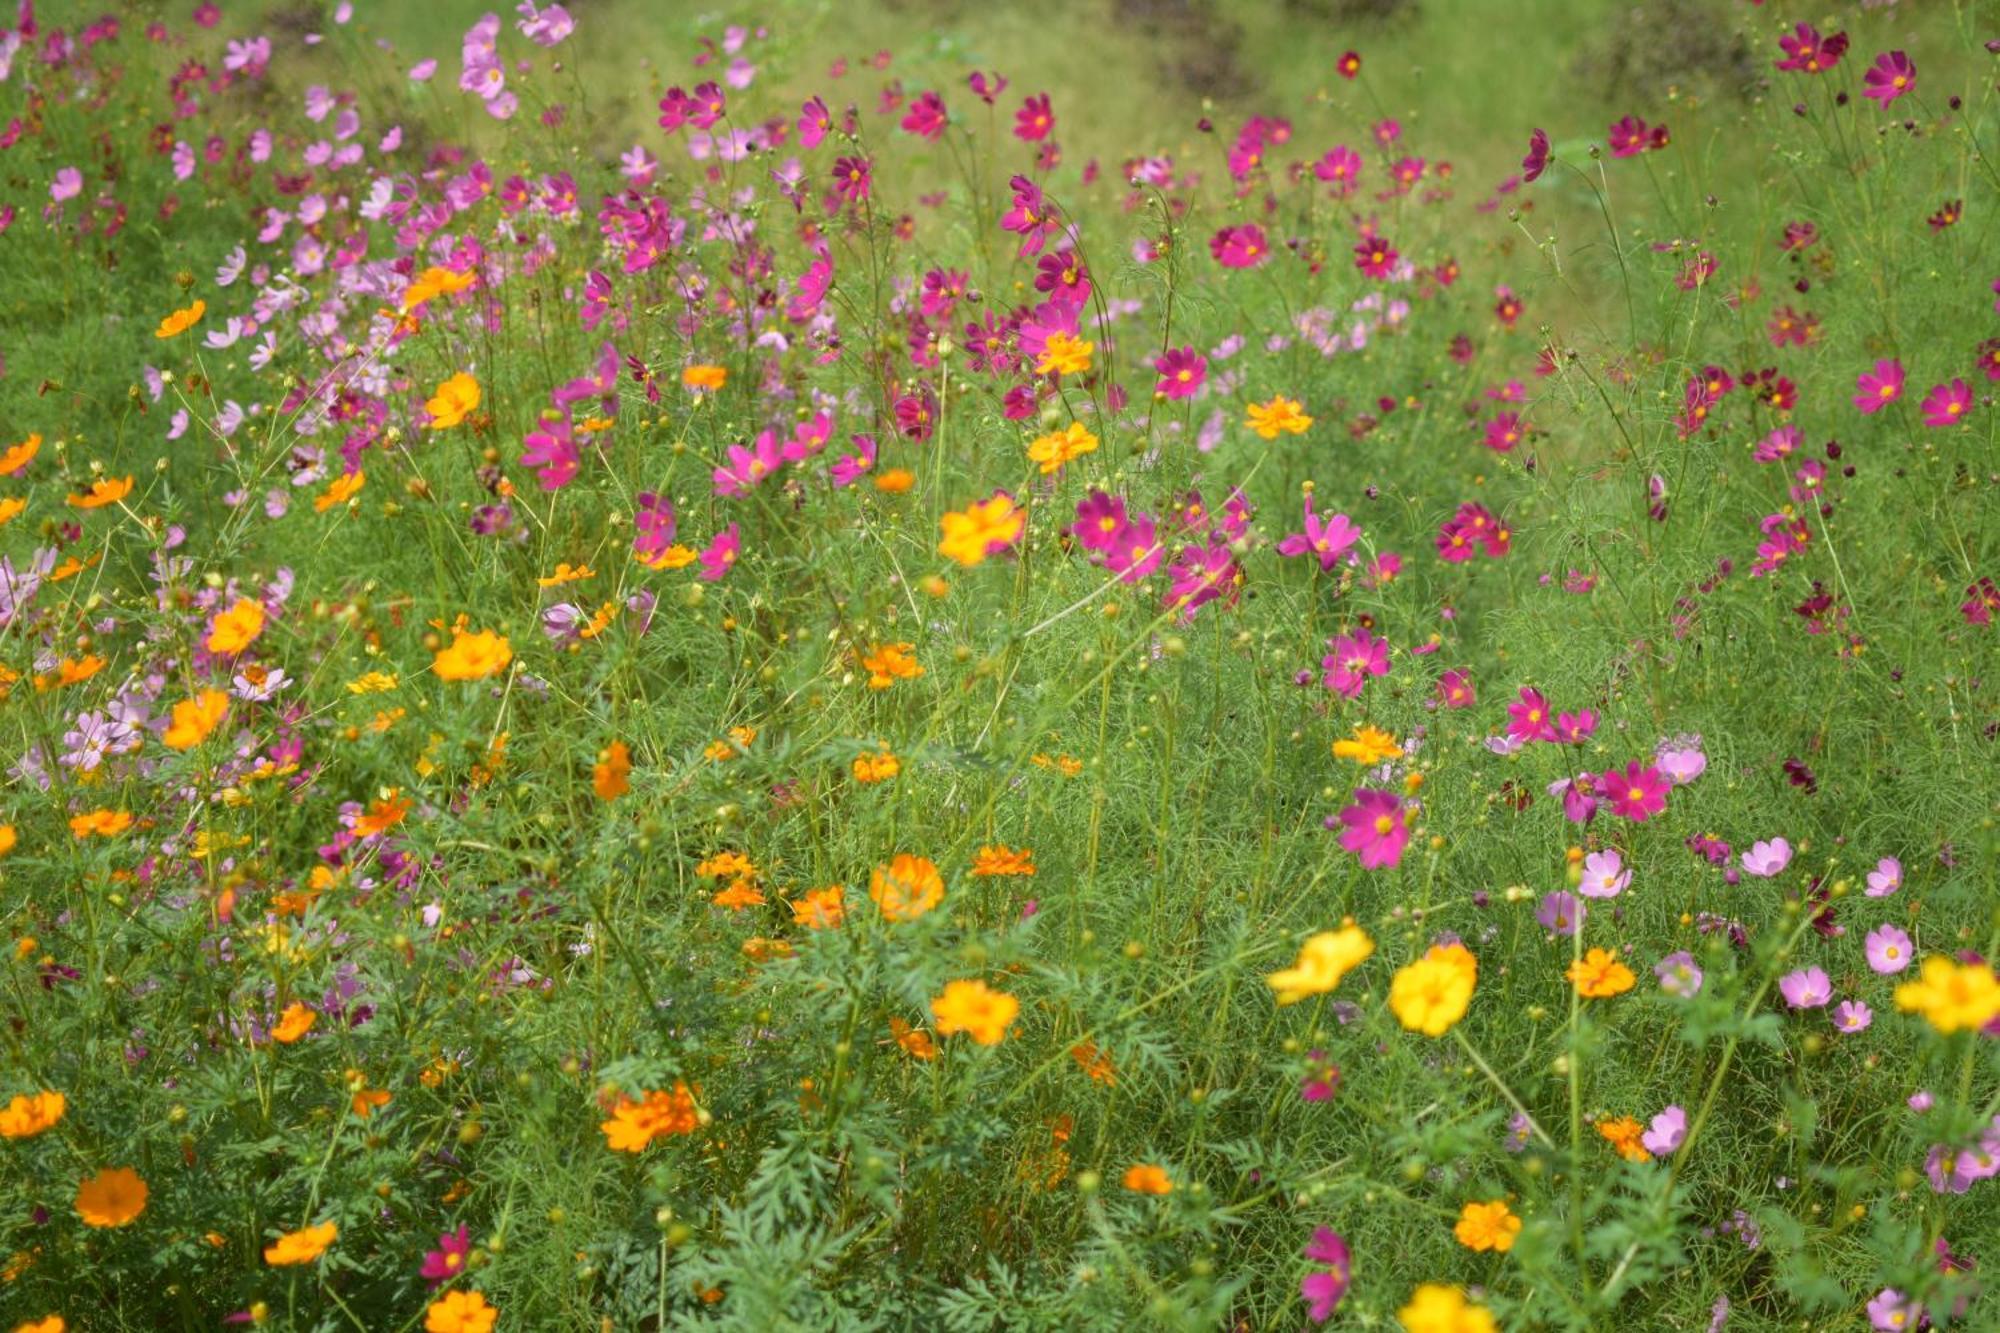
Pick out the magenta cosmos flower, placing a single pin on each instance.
(1889, 77)
(1638, 793)
(1375, 828)
(1323, 1288)
(1807, 988)
(1947, 404)
(1240, 247)
(447, 1261)
(720, 555)
(1181, 373)
(1537, 160)
(1560, 913)
(1355, 657)
(1808, 52)
(1888, 949)
(1876, 389)
(1327, 538)
(1528, 717)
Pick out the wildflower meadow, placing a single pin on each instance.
(1145, 664)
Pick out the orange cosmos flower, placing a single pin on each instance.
(888, 663)
(105, 823)
(194, 719)
(880, 767)
(460, 1312)
(981, 529)
(907, 887)
(634, 1125)
(895, 480)
(614, 766)
(382, 815)
(1599, 975)
(10, 508)
(1624, 1133)
(365, 1098)
(1146, 1178)
(913, 1042)
(434, 282)
(453, 402)
(18, 456)
(1280, 415)
(111, 1198)
(566, 573)
(181, 320)
(25, 1117)
(294, 1023)
(821, 909)
(1001, 861)
(237, 628)
(1053, 450)
(974, 1008)
(104, 491)
(300, 1247)
(473, 656)
(704, 379)
(343, 488)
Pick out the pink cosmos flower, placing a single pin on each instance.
(1889, 77)
(1327, 1283)
(1630, 137)
(1893, 1312)
(1182, 372)
(1888, 950)
(1765, 859)
(1454, 690)
(1136, 550)
(1877, 388)
(1537, 160)
(1375, 257)
(1528, 717)
(1808, 52)
(68, 184)
(1807, 988)
(1341, 168)
(447, 1261)
(1375, 830)
(720, 555)
(1329, 538)
(1852, 1016)
(852, 178)
(1679, 974)
(1668, 1130)
(1947, 404)
(749, 468)
(926, 117)
(1240, 247)
(1504, 432)
(850, 468)
(1200, 575)
(1604, 875)
(551, 451)
(1035, 119)
(1885, 878)
(1355, 657)
(1560, 913)
(1682, 764)
(654, 526)
(1638, 793)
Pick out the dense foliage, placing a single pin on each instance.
(820, 714)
